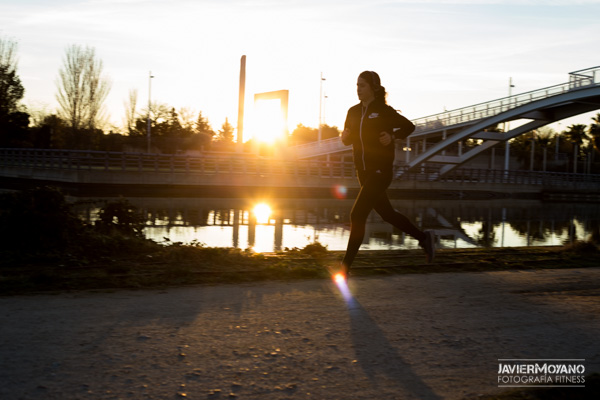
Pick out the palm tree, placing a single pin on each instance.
(544, 140)
(595, 132)
(576, 134)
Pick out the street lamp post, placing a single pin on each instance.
(575, 149)
(557, 142)
(149, 129)
(532, 155)
(320, 109)
(507, 128)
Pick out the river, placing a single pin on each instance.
(266, 225)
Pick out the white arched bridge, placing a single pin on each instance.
(438, 138)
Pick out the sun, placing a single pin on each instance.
(268, 124)
(262, 212)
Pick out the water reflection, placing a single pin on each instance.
(287, 223)
(262, 213)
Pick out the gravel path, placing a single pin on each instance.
(431, 336)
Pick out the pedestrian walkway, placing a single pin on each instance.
(422, 336)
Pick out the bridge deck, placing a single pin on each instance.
(444, 128)
(137, 169)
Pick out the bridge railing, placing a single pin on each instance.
(577, 80)
(240, 165)
(326, 146)
(166, 163)
(499, 176)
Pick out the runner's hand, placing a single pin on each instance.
(385, 138)
(345, 134)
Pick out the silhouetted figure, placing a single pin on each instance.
(370, 128)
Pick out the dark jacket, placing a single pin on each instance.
(365, 126)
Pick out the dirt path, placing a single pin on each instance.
(436, 336)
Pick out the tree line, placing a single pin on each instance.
(79, 121)
(546, 149)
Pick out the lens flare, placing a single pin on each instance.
(339, 191)
(342, 284)
(339, 278)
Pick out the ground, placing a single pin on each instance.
(412, 336)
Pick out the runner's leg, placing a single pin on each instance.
(386, 211)
(373, 186)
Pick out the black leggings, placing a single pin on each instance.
(372, 195)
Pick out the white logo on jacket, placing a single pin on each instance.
(373, 115)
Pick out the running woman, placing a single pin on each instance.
(371, 127)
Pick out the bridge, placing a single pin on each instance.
(434, 151)
(438, 138)
(100, 173)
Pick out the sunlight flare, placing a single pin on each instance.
(342, 284)
(268, 122)
(262, 212)
(339, 279)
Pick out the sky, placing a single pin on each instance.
(432, 55)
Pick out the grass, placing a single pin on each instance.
(138, 263)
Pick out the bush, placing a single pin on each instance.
(582, 247)
(122, 217)
(37, 221)
(40, 223)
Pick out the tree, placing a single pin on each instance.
(520, 146)
(329, 132)
(81, 88)
(187, 122)
(203, 133)
(576, 134)
(174, 128)
(13, 120)
(595, 132)
(50, 132)
(158, 115)
(203, 127)
(225, 133)
(304, 134)
(544, 137)
(130, 113)
(224, 138)
(11, 89)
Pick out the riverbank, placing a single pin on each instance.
(154, 266)
(45, 247)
